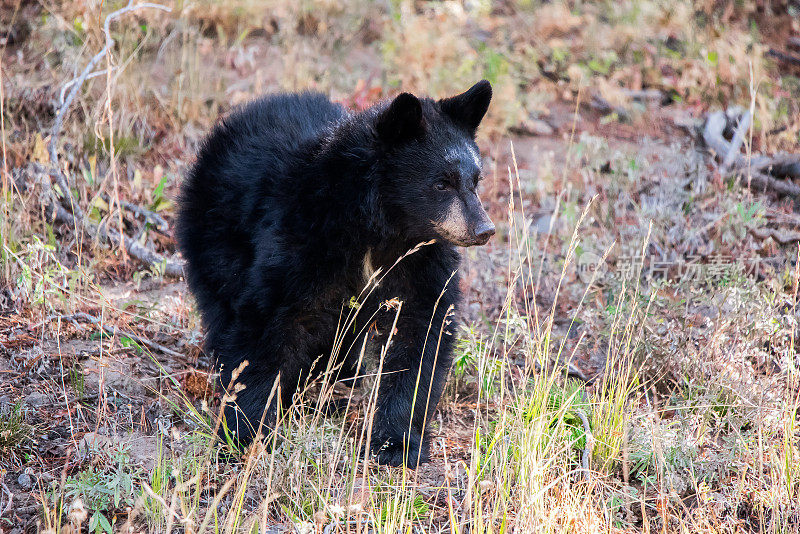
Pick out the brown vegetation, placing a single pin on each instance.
(656, 392)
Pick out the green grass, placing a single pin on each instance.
(15, 432)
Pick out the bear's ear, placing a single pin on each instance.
(469, 107)
(401, 120)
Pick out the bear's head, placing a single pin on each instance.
(430, 166)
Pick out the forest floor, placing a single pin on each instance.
(625, 359)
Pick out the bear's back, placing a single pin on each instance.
(233, 190)
(261, 140)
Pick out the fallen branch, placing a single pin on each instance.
(10, 502)
(737, 141)
(142, 253)
(73, 81)
(765, 182)
(113, 330)
(762, 172)
(77, 83)
(780, 217)
(158, 222)
(70, 212)
(586, 455)
(602, 105)
(781, 165)
(647, 95)
(77, 219)
(783, 57)
(712, 134)
(656, 96)
(783, 238)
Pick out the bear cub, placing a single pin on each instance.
(292, 205)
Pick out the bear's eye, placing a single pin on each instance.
(442, 186)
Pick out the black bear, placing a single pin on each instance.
(292, 202)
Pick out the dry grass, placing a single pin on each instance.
(692, 396)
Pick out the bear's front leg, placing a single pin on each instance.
(412, 379)
(261, 392)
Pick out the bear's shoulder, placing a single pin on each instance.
(292, 117)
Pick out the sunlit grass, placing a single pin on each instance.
(631, 450)
(546, 452)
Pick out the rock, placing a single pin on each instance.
(542, 225)
(121, 379)
(37, 399)
(118, 376)
(533, 126)
(94, 441)
(25, 481)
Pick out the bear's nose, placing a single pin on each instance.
(484, 231)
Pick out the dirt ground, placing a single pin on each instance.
(37, 361)
(571, 174)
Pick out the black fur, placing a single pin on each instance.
(288, 196)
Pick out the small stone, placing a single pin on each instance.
(532, 126)
(25, 481)
(542, 225)
(94, 441)
(36, 399)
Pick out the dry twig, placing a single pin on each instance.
(781, 237)
(783, 57)
(158, 222)
(113, 330)
(10, 502)
(72, 213)
(760, 170)
(587, 450)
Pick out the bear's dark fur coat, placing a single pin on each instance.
(293, 201)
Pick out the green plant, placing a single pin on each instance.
(160, 201)
(103, 489)
(160, 485)
(77, 379)
(15, 433)
(398, 510)
(469, 346)
(42, 277)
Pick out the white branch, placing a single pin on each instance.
(587, 450)
(73, 212)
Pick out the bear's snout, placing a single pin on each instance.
(481, 227)
(483, 231)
